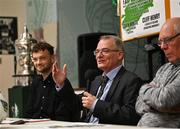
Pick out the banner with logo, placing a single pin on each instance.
(142, 18)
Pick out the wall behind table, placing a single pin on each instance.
(17, 8)
(11, 8)
(78, 17)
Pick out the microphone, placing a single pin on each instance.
(89, 76)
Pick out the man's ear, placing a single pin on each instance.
(121, 55)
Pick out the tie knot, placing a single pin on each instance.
(104, 79)
(103, 84)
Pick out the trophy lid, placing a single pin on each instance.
(25, 37)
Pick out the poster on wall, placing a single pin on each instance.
(8, 34)
(140, 18)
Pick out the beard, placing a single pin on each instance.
(43, 69)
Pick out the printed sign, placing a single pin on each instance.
(140, 18)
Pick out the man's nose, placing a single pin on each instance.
(163, 46)
(38, 61)
(99, 54)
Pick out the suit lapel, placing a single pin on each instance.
(95, 85)
(115, 83)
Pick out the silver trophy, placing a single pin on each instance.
(24, 67)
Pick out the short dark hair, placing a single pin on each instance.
(41, 46)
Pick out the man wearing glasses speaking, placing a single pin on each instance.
(159, 101)
(112, 95)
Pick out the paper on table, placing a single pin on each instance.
(21, 120)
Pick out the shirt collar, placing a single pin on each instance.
(113, 72)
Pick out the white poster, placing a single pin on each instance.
(140, 18)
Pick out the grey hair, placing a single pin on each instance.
(177, 28)
(118, 42)
(175, 23)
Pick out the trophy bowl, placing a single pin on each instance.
(24, 66)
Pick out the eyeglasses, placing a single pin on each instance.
(104, 51)
(167, 40)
